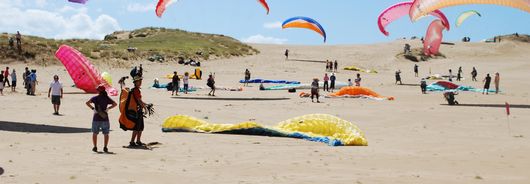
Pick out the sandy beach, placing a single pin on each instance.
(414, 139)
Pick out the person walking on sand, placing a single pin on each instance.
(487, 82)
(398, 77)
(141, 106)
(6, 77)
(327, 65)
(175, 84)
(423, 85)
(247, 77)
(56, 90)
(333, 78)
(211, 83)
(286, 54)
(314, 90)
(13, 81)
(331, 66)
(100, 119)
(416, 68)
(497, 82)
(474, 74)
(358, 80)
(186, 82)
(336, 65)
(326, 82)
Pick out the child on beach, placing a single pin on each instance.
(350, 84)
(186, 81)
(100, 120)
(314, 90)
(211, 83)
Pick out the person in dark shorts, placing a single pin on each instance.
(332, 83)
(13, 80)
(416, 70)
(474, 74)
(314, 90)
(139, 127)
(56, 92)
(336, 65)
(100, 120)
(398, 77)
(326, 82)
(487, 82)
(175, 84)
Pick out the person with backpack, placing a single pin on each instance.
(140, 106)
(211, 83)
(100, 120)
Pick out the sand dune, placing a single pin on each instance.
(414, 139)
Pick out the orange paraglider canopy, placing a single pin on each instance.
(356, 91)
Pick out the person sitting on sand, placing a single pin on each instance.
(186, 82)
(175, 84)
(211, 83)
(423, 85)
(56, 91)
(398, 77)
(450, 97)
(247, 77)
(497, 82)
(487, 82)
(261, 87)
(100, 120)
(314, 90)
(358, 80)
(326, 82)
(332, 79)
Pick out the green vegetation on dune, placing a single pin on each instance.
(171, 44)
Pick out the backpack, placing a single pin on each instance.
(129, 114)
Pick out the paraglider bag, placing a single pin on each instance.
(129, 114)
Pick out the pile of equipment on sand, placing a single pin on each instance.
(169, 87)
(447, 86)
(358, 92)
(314, 127)
(265, 81)
(354, 68)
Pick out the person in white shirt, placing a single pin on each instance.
(56, 91)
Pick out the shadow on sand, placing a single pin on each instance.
(513, 106)
(76, 93)
(34, 128)
(229, 99)
(409, 85)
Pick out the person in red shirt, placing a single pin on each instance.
(139, 127)
(6, 77)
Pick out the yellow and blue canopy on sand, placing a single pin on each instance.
(314, 127)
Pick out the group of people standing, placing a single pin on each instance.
(10, 80)
(332, 66)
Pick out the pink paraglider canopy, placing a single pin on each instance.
(83, 73)
(433, 38)
(399, 10)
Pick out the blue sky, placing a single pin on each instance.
(345, 21)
